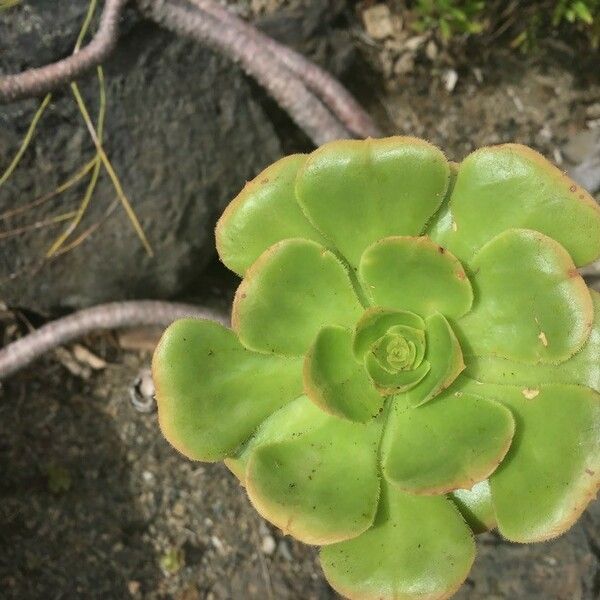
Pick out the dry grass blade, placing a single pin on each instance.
(62, 238)
(85, 25)
(78, 215)
(37, 225)
(46, 101)
(111, 172)
(89, 231)
(34, 266)
(63, 187)
(26, 140)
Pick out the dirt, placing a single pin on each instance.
(95, 504)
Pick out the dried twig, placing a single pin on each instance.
(39, 81)
(114, 315)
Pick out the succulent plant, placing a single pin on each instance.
(414, 358)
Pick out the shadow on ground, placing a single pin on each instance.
(71, 526)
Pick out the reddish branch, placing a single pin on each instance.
(115, 315)
(318, 103)
(288, 90)
(39, 81)
(337, 98)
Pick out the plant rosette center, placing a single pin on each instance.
(394, 352)
(413, 358)
(393, 348)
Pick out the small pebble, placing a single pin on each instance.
(268, 545)
(134, 587)
(593, 111)
(284, 551)
(450, 78)
(431, 50)
(141, 392)
(405, 64)
(414, 43)
(378, 21)
(217, 544)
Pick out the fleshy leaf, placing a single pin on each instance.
(445, 357)
(212, 393)
(293, 420)
(237, 467)
(400, 349)
(290, 422)
(263, 213)
(293, 290)
(419, 548)
(476, 506)
(442, 222)
(531, 303)
(375, 331)
(512, 186)
(357, 192)
(334, 381)
(393, 383)
(415, 274)
(375, 322)
(583, 368)
(314, 475)
(552, 470)
(447, 444)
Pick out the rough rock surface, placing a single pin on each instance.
(184, 130)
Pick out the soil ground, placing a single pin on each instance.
(95, 504)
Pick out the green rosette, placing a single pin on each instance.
(414, 358)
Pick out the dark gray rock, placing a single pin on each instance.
(184, 130)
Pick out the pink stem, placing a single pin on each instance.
(41, 80)
(114, 315)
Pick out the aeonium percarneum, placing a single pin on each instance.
(414, 358)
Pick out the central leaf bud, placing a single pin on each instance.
(402, 352)
(399, 353)
(392, 346)
(401, 348)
